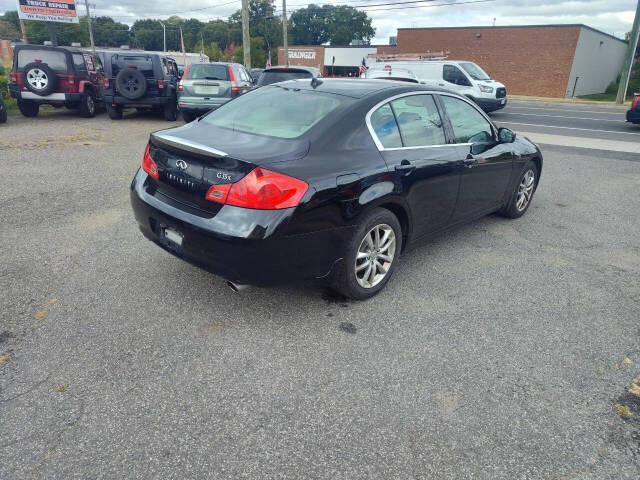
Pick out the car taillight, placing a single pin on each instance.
(261, 189)
(16, 78)
(180, 87)
(234, 84)
(184, 75)
(160, 83)
(148, 165)
(105, 82)
(636, 102)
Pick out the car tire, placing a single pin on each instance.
(115, 113)
(188, 117)
(521, 197)
(39, 78)
(28, 108)
(365, 250)
(131, 83)
(171, 111)
(3, 112)
(88, 106)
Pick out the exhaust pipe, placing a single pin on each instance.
(236, 287)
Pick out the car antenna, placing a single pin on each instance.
(315, 81)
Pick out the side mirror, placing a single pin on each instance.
(506, 136)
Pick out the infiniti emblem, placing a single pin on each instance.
(181, 164)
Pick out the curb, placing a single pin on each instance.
(568, 101)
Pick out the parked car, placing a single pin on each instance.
(255, 74)
(281, 74)
(3, 111)
(327, 179)
(463, 77)
(206, 86)
(633, 115)
(399, 74)
(45, 75)
(141, 80)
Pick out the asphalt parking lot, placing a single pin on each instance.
(500, 350)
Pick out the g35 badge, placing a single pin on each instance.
(223, 176)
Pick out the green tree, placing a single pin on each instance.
(11, 16)
(262, 23)
(258, 55)
(216, 32)
(8, 31)
(109, 33)
(213, 51)
(339, 25)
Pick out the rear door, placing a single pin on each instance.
(411, 137)
(207, 81)
(487, 163)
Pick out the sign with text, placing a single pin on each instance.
(63, 11)
(306, 54)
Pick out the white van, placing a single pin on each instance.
(462, 77)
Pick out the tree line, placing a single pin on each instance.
(220, 39)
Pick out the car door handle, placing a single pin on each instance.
(405, 168)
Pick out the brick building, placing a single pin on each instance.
(539, 60)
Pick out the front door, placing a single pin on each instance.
(426, 169)
(487, 163)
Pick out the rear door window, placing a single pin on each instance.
(55, 59)
(144, 63)
(469, 125)
(208, 72)
(419, 121)
(385, 127)
(78, 62)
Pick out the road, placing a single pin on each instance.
(593, 126)
(498, 350)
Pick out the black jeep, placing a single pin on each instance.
(3, 110)
(55, 76)
(141, 80)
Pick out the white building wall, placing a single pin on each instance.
(596, 63)
(347, 57)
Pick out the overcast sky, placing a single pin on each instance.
(611, 16)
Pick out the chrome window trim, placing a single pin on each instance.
(188, 145)
(377, 141)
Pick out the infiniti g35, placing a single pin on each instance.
(327, 179)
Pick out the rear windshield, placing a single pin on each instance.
(274, 76)
(208, 72)
(144, 63)
(276, 111)
(55, 59)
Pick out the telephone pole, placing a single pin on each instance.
(93, 45)
(246, 39)
(628, 62)
(164, 35)
(23, 31)
(284, 33)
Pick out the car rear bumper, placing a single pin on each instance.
(199, 105)
(633, 116)
(119, 100)
(490, 104)
(239, 244)
(17, 92)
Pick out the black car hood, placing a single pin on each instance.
(218, 141)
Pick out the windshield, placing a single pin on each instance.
(54, 58)
(475, 71)
(269, 77)
(208, 72)
(276, 111)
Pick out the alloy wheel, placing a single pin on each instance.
(37, 79)
(375, 255)
(525, 190)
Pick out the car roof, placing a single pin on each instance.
(292, 67)
(48, 47)
(356, 88)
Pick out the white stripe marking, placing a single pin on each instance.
(622, 110)
(570, 128)
(558, 116)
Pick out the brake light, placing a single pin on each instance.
(184, 75)
(105, 82)
(160, 83)
(148, 165)
(16, 78)
(261, 189)
(234, 84)
(636, 102)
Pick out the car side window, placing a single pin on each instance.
(419, 121)
(78, 62)
(452, 74)
(469, 125)
(385, 127)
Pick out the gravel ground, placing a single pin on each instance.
(498, 351)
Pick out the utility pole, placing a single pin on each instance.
(52, 33)
(164, 35)
(93, 45)
(23, 31)
(628, 62)
(284, 33)
(246, 39)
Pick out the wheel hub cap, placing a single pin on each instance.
(525, 190)
(375, 256)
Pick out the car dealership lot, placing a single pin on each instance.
(496, 351)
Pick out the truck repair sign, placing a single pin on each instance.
(59, 11)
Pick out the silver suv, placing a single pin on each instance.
(206, 86)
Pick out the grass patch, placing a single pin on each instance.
(12, 106)
(604, 97)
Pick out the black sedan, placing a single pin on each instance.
(327, 179)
